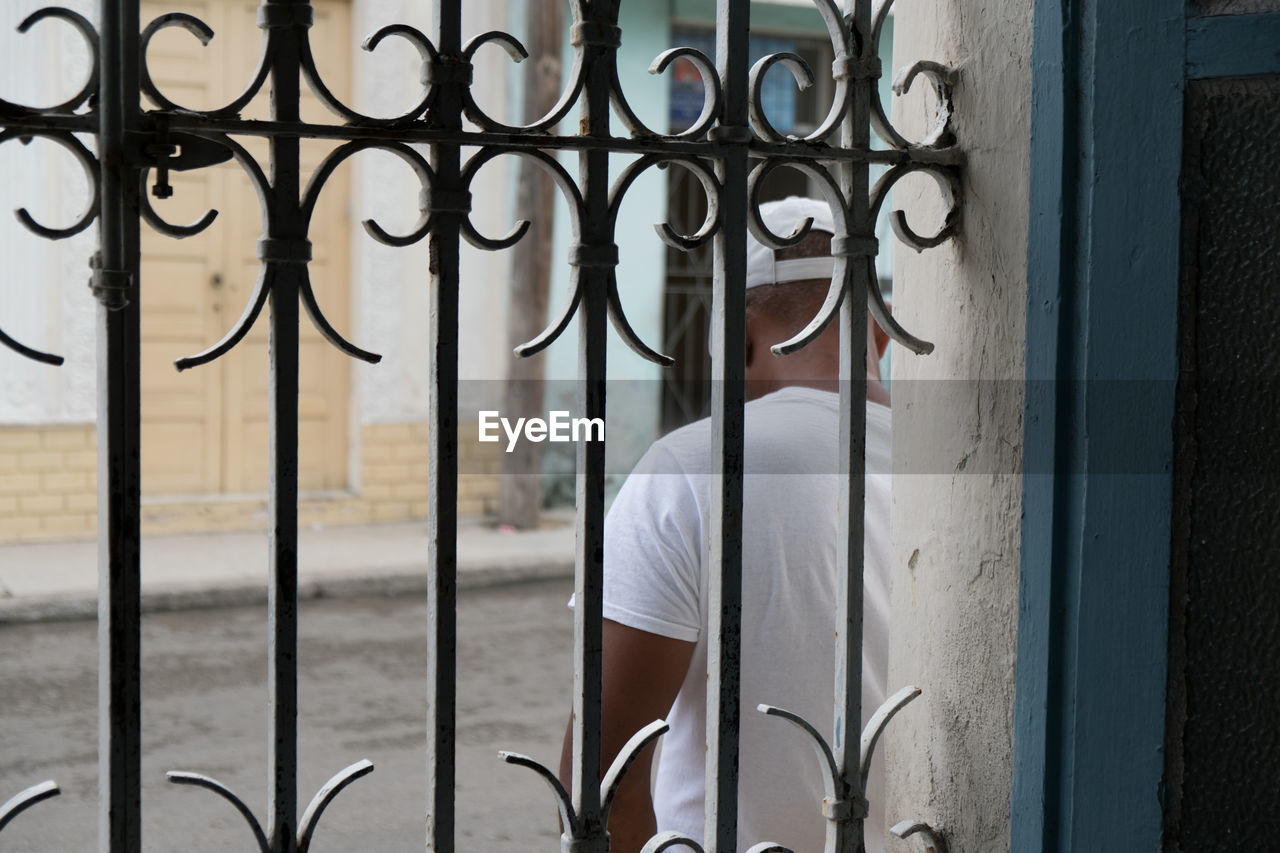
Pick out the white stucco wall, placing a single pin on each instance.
(44, 302)
(955, 522)
(391, 299)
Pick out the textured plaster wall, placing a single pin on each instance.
(958, 433)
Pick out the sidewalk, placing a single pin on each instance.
(60, 580)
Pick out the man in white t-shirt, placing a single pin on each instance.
(656, 581)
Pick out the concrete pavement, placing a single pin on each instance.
(60, 580)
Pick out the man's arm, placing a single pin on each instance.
(642, 674)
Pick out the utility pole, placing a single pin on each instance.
(520, 490)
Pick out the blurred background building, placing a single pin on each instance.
(362, 453)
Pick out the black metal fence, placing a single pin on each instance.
(730, 149)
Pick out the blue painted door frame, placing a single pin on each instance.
(1102, 309)
(1103, 281)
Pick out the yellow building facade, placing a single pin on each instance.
(362, 428)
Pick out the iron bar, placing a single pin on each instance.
(846, 817)
(450, 203)
(285, 251)
(728, 319)
(115, 284)
(594, 258)
(426, 133)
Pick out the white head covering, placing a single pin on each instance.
(782, 218)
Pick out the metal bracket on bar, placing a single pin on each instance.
(854, 247)
(731, 135)
(284, 251)
(110, 287)
(277, 16)
(834, 809)
(449, 69)
(846, 67)
(587, 255)
(595, 34)
(432, 200)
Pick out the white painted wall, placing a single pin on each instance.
(955, 521)
(391, 298)
(44, 301)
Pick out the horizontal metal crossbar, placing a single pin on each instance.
(421, 134)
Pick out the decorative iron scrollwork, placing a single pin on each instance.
(733, 128)
(310, 818)
(844, 799)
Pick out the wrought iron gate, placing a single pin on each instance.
(730, 149)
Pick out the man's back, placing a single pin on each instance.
(656, 581)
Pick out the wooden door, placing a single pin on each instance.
(205, 430)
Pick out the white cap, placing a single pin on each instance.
(783, 218)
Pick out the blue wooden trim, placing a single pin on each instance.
(1050, 266)
(1233, 45)
(1107, 82)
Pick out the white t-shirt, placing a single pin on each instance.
(655, 565)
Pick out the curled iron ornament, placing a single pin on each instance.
(840, 220)
(248, 317)
(836, 293)
(266, 271)
(426, 51)
(178, 232)
(311, 195)
(156, 221)
(572, 197)
(310, 817)
(559, 176)
(263, 189)
(943, 78)
(935, 841)
(26, 799)
(845, 49)
(948, 182)
(90, 86)
(617, 315)
(29, 352)
(712, 95)
(837, 805)
(575, 825)
(87, 162)
(426, 178)
(575, 82)
(204, 34)
(670, 840)
(312, 306)
(710, 225)
(800, 72)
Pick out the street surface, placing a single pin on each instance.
(362, 694)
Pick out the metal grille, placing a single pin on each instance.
(731, 149)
